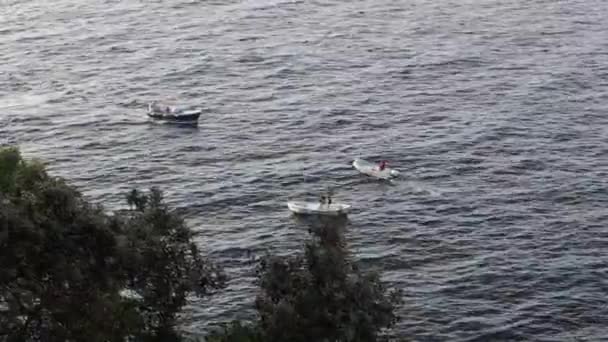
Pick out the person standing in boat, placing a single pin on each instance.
(325, 199)
(382, 165)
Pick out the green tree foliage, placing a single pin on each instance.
(237, 332)
(162, 263)
(9, 162)
(71, 272)
(319, 295)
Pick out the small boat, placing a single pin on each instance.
(173, 114)
(311, 208)
(373, 170)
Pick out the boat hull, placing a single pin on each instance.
(307, 208)
(182, 118)
(175, 118)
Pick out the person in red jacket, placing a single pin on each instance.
(382, 165)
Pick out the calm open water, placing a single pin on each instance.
(496, 113)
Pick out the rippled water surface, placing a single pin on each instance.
(496, 112)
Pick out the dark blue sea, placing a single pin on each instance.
(494, 111)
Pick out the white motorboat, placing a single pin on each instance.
(312, 208)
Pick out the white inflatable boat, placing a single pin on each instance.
(373, 170)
